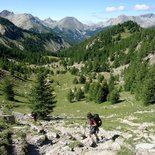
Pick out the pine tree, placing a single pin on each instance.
(111, 82)
(149, 92)
(99, 98)
(8, 90)
(75, 81)
(43, 97)
(100, 78)
(79, 95)
(114, 96)
(70, 96)
(87, 87)
(82, 79)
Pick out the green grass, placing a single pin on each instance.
(125, 151)
(125, 35)
(111, 114)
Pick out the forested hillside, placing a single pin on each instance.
(127, 48)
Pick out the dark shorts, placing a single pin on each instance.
(93, 130)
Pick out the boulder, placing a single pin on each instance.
(52, 135)
(145, 149)
(37, 140)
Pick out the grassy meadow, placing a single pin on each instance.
(112, 115)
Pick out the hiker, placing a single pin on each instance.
(93, 129)
(34, 115)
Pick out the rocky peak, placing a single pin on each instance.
(49, 22)
(6, 13)
(150, 15)
(71, 23)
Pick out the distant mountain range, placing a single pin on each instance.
(145, 21)
(70, 28)
(12, 36)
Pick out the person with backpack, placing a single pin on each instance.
(34, 115)
(94, 121)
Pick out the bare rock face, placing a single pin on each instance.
(2, 30)
(54, 46)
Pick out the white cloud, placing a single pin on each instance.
(121, 8)
(110, 9)
(113, 9)
(141, 7)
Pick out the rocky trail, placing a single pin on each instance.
(61, 137)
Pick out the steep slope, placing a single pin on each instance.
(9, 30)
(26, 40)
(25, 21)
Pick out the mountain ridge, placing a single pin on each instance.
(145, 21)
(9, 33)
(70, 28)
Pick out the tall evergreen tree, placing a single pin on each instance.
(149, 92)
(79, 94)
(98, 92)
(8, 90)
(75, 81)
(82, 79)
(114, 96)
(70, 96)
(86, 87)
(43, 97)
(111, 82)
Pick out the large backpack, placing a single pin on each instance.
(97, 119)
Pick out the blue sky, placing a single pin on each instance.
(86, 11)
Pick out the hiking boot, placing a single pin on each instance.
(97, 140)
(93, 144)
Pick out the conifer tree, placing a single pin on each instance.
(8, 90)
(100, 78)
(82, 79)
(79, 94)
(111, 82)
(70, 96)
(86, 87)
(149, 92)
(43, 97)
(75, 81)
(114, 96)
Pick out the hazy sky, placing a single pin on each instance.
(86, 11)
